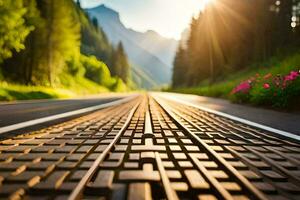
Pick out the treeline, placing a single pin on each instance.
(231, 35)
(43, 40)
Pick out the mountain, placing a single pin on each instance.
(161, 47)
(150, 54)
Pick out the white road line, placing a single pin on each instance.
(33, 122)
(244, 121)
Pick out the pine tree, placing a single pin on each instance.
(95, 23)
(230, 35)
(78, 3)
(124, 71)
(120, 65)
(93, 40)
(180, 67)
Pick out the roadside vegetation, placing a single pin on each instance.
(244, 51)
(275, 85)
(52, 49)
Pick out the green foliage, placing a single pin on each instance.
(179, 71)
(75, 67)
(258, 95)
(13, 30)
(96, 70)
(93, 73)
(119, 86)
(93, 39)
(62, 35)
(120, 65)
(229, 36)
(54, 43)
(274, 91)
(80, 85)
(277, 97)
(10, 92)
(24, 66)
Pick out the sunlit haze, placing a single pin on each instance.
(167, 17)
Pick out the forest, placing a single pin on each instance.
(231, 40)
(56, 44)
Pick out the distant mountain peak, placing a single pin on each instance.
(105, 8)
(106, 11)
(149, 52)
(151, 32)
(156, 35)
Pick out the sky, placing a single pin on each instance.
(167, 17)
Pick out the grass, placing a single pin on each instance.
(222, 89)
(11, 92)
(80, 85)
(70, 88)
(66, 86)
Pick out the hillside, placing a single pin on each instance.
(54, 47)
(149, 52)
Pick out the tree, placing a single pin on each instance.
(95, 23)
(120, 65)
(22, 65)
(93, 40)
(13, 30)
(62, 35)
(96, 70)
(180, 67)
(78, 3)
(28, 58)
(230, 35)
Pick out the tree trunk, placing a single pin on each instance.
(49, 42)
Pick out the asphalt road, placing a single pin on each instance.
(13, 113)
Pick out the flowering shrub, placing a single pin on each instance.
(274, 90)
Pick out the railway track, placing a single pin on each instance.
(150, 148)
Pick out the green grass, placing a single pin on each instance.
(80, 85)
(72, 87)
(66, 86)
(11, 92)
(222, 89)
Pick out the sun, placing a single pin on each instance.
(204, 3)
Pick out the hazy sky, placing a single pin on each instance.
(167, 17)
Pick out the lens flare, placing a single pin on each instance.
(204, 3)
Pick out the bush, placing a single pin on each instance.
(119, 86)
(274, 90)
(96, 70)
(257, 95)
(75, 67)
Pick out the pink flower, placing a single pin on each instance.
(292, 76)
(243, 87)
(266, 86)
